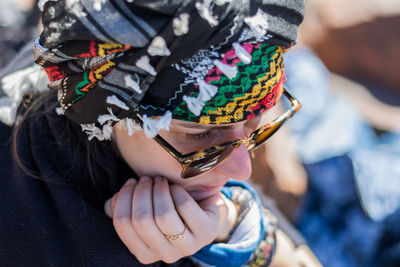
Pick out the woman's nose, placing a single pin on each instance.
(237, 166)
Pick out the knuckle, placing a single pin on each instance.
(164, 217)
(170, 258)
(191, 249)
(208, 237)
(142, 219)
(145, 260)
(184, 203)
(121, 222)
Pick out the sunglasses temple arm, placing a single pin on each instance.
(175, 153)
(172, 151)
(295, 104)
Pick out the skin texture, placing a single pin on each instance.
(161, 202)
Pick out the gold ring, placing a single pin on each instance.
(175, 237)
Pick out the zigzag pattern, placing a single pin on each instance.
(256, 88)
(91, 77)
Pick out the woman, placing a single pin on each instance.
(169, 95)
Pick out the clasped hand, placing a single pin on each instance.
(145, 212)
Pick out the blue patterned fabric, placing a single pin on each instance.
(238, 253)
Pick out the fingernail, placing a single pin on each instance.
(144, 179)
(107, 208)
(158, 179)
(130, 181)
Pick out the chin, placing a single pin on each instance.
(205, 192)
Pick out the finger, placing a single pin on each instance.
(166, 217)
(109, 205)
(169, 221)
(201, 220)
(122, 214)
(143, 221)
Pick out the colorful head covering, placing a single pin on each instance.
(211, 62)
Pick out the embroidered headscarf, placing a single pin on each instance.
(211, 62)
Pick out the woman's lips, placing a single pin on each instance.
(203, 192)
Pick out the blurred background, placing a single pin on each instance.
(334, 169)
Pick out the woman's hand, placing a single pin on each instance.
(144, 212)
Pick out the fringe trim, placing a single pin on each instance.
(152, 126)
(114, 100)
(144, 63)
(204, 10)
(181, 24)
(158, 47)
(102, 119)
(228, 71)
(132, 126)
(59, 111)
(131, 83)
(241, 53)
(107, 130)
(92, 131)
(206, 91)
(258, 23)
(194, 105)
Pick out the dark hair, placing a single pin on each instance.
(88, 155)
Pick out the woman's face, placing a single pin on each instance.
(147, 158)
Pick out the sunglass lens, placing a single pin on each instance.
(207, 163)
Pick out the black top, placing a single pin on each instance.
(59, 221)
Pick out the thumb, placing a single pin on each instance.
(109, 205)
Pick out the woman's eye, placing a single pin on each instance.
(200, 136)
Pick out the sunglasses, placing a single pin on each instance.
(201, 161)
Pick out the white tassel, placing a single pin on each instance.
(149, 127)
(132, 126)
(122, 125)
(258, 23)
(205, 12)
(114, 100)
(194, 105)
(107, 117)
(229, 71)
(158, 47)
(152, 126)
(206, 91)
(60, 111)
(241, 53)
(181, 24)
(92, 131)
(144, 64)
(131, 83)
(164, 122)
(97, 4)
(107, 130)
